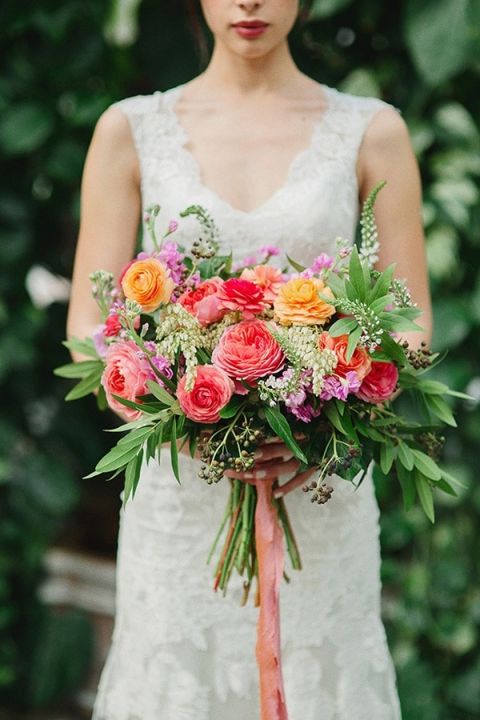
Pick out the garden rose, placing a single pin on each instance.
(360, 361)
(126, 373)
(247, 351)
(211, 392)
(380, 383)
(242, 295)
(298, 302)
(203, 302)
(268, 278)
(148, 282)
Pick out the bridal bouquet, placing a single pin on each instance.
(196, 349)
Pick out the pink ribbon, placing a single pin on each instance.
(270, 553)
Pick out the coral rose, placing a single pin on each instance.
(380, 383)
(247, 351)
(299, 303)
(360, 361)
(211, 392)
(268, 278)
(148, 282)
(203, 302)
(126, 373)
(242, 295)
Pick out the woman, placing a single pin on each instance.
(277, 158)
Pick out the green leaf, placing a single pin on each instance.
(160, 393)
(132, 476)
(174, 449)
(438, 37)
(281, 428)
(425, 494)
(356, 276)
(353, 339)
(380, 303)
(387, 456)
(382, 284)
(78, 369)
(332, 414)
(232, 408)
(144, 407)
(426, 465)
(85, 347)
(135, 437)
(296, 266)
(192, 444)
(114, 459)
(408, 486)
(393, 349)
(440, 408)
(342, 327)
(405, 455)
(85, 386)
(336, 285)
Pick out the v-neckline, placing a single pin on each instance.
(172, 95)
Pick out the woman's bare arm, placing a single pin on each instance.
(386, 153)
(109, 215)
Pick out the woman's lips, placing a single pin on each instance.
(250, 30)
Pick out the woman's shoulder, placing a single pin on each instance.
(363, 105)
(141, 104)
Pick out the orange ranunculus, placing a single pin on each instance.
(269, 278)
(299, 303)
(148, 282)
(360, 361)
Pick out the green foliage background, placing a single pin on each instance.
(62, 64)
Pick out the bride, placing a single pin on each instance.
(276, 158)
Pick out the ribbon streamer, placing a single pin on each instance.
(270, 554)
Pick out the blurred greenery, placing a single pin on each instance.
(62, 64)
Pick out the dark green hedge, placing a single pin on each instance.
(61, 65)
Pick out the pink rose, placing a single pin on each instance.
(242, 295)
(379, 384)
(203, 302)
(126, 373)
(211, 392)
(247, 351)
(268, 278)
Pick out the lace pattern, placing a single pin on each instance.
(179, 651)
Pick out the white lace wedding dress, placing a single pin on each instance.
(180, 651)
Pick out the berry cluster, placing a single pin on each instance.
(418, 359)
(432, 444)
(233, 448)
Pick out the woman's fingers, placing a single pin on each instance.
(273, 450)
(271, 469)
(290, 485)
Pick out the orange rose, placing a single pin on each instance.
(299, 303)
(148, 282)
(360, 361)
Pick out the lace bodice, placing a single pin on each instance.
(179, 651)
(317, 201)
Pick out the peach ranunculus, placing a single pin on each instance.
(148, 282)
(360, 361)
(212, 390)
(247, 351)
(268, 278)
(126, 373)
(203, 302)
(299, 303)
(380, 383)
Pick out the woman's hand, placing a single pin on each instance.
(274, 458)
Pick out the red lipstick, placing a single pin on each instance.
(250, 28)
